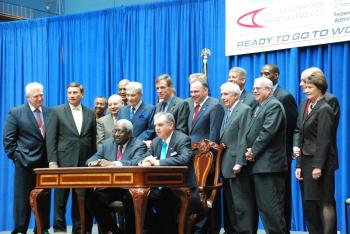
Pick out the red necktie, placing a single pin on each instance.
(120, 153)
(196, 111)
(40, 122)
(307, 106)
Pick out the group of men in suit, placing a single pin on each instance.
(256, 129)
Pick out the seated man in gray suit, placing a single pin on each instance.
(105, 125)
(237, 184)
(170, 103)
(170, 148)
(122, 150)
(266, 153)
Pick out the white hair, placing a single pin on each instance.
(115, 97)
(264, 82)
(168, 117)
(231, 88)
(135, 86)
(33, 86)
(125, 124)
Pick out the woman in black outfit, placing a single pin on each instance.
(318, 157)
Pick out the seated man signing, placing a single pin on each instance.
(170, 148)
(122, 150)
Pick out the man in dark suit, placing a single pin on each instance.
(266, 140)
(122, 150)
(24, 143)
(238, 75)
(170, 148)
(272, 72)
(71, 140)
(138, 113)
(170, 103)
(238, 191)
(122, 90)
(204, 122)
(105, 125)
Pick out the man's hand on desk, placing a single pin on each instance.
(53, 165)
(150, 161)
(105, 163)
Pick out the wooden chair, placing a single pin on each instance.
(207, 164)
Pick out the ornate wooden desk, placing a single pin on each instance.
(138, 180)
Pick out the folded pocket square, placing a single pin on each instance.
(173, 153)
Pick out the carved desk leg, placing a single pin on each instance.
(139, 197)
(184, 194)
(81, 203)
(35, 204)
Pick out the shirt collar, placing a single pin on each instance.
(233, 106)
(167, 141)
(32, 108)
(274, 88)
(137, 106)
(76, 108)
(201, 104)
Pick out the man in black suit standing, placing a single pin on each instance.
(238, 76)
(170, 148)
(204, 122)
(121, 150)
(24, 143)
(266, 152)
(238, 190)
(71, 140)
(272, 72)
(170, 103)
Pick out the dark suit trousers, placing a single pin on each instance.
(240, 205)
(60, 199)
(98, 201)
(269, 194)
(24, 184)
(162, 211)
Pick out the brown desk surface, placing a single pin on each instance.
(137, 179)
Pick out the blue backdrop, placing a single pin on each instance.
(139, 43)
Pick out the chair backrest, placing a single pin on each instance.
(207, 161)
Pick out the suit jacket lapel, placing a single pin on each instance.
(201, 111)
(171, 144)
(137, 113)
(85, 118)
(172, 105)
(127, 150)
(32, 119)
(233, 114)
(243, 96)
(70, 119)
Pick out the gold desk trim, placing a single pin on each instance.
(109, 181)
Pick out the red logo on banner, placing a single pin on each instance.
(252, 14)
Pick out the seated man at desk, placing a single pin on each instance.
(169, 148)
(122, 150)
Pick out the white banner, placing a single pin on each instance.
(263, 25)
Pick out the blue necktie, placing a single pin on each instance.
(163, 152)
(227, 115)
(163, 108)
(132, 113)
